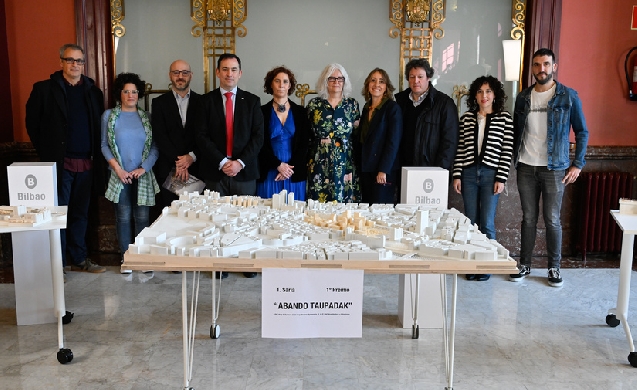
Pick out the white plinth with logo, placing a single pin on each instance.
(428, 186)
(33, 185)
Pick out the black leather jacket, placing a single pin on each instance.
(434, 140)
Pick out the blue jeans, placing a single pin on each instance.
(124, 210)
(480, 203)
(75, 192)
(533, 182)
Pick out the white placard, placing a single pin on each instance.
(32, 184)
(425, 185)
(311, 303)
(428, 186)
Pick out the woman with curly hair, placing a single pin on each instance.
(483, 158)
(127, 145)
(283, 157)
(333, 116)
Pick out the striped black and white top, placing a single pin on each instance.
(497, 145)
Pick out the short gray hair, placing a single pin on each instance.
(71, 46)
(321, 84)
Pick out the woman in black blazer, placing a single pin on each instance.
(283, 157)
(377, 140)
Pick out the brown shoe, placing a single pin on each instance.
(88, 266)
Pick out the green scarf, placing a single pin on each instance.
(147, 186)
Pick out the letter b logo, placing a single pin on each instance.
(428, 185)
(30, 181)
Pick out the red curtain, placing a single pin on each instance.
(543, 18)
(93, 25)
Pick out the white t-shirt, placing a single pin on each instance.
(482, 122)
(534, 150)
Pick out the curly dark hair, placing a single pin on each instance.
(389, 92)
(419, 63)
(128, 78)
(269, 78)
(497, 88)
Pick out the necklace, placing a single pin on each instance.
(280, 107)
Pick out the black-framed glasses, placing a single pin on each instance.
(182, 72)
(336, 79)
(130, 91)
(71, 60)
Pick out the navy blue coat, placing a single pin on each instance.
(379, 153)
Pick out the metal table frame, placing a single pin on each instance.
(64, 355)
(619, 314)
(195, 265)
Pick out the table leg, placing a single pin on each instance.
(64, 355)
(415, 331)
(215, 330)
(189, 323)
(623, 294)
(450, 342)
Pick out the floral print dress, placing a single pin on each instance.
(330, 159)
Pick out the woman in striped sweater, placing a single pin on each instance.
(483, 158)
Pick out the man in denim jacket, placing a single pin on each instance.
(544, 114)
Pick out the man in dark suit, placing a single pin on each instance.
(173, 121)
(230, 134)
(230, 144)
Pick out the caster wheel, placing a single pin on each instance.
(215, 332)
(632, 359)
(67, 318)
(612, 321)
(65, 355)
(415, 332)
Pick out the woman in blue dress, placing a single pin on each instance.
(283, 157)
(333, 116)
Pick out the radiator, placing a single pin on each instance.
(601, 193)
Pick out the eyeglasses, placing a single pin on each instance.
(130, 91)
(183, 72)
(336, 79)
(71, 60)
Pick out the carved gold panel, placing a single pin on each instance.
(217, 22)
(416, 22)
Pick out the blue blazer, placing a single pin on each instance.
(379, 153)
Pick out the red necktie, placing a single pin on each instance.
(229, 123)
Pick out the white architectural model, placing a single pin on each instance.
(627, 206)
(23, 216)
(250, 227)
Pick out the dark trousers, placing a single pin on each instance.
(374, 193)
(75, 192)
(228, 186)
(166, 197)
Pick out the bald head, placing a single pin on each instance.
(180, 76)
